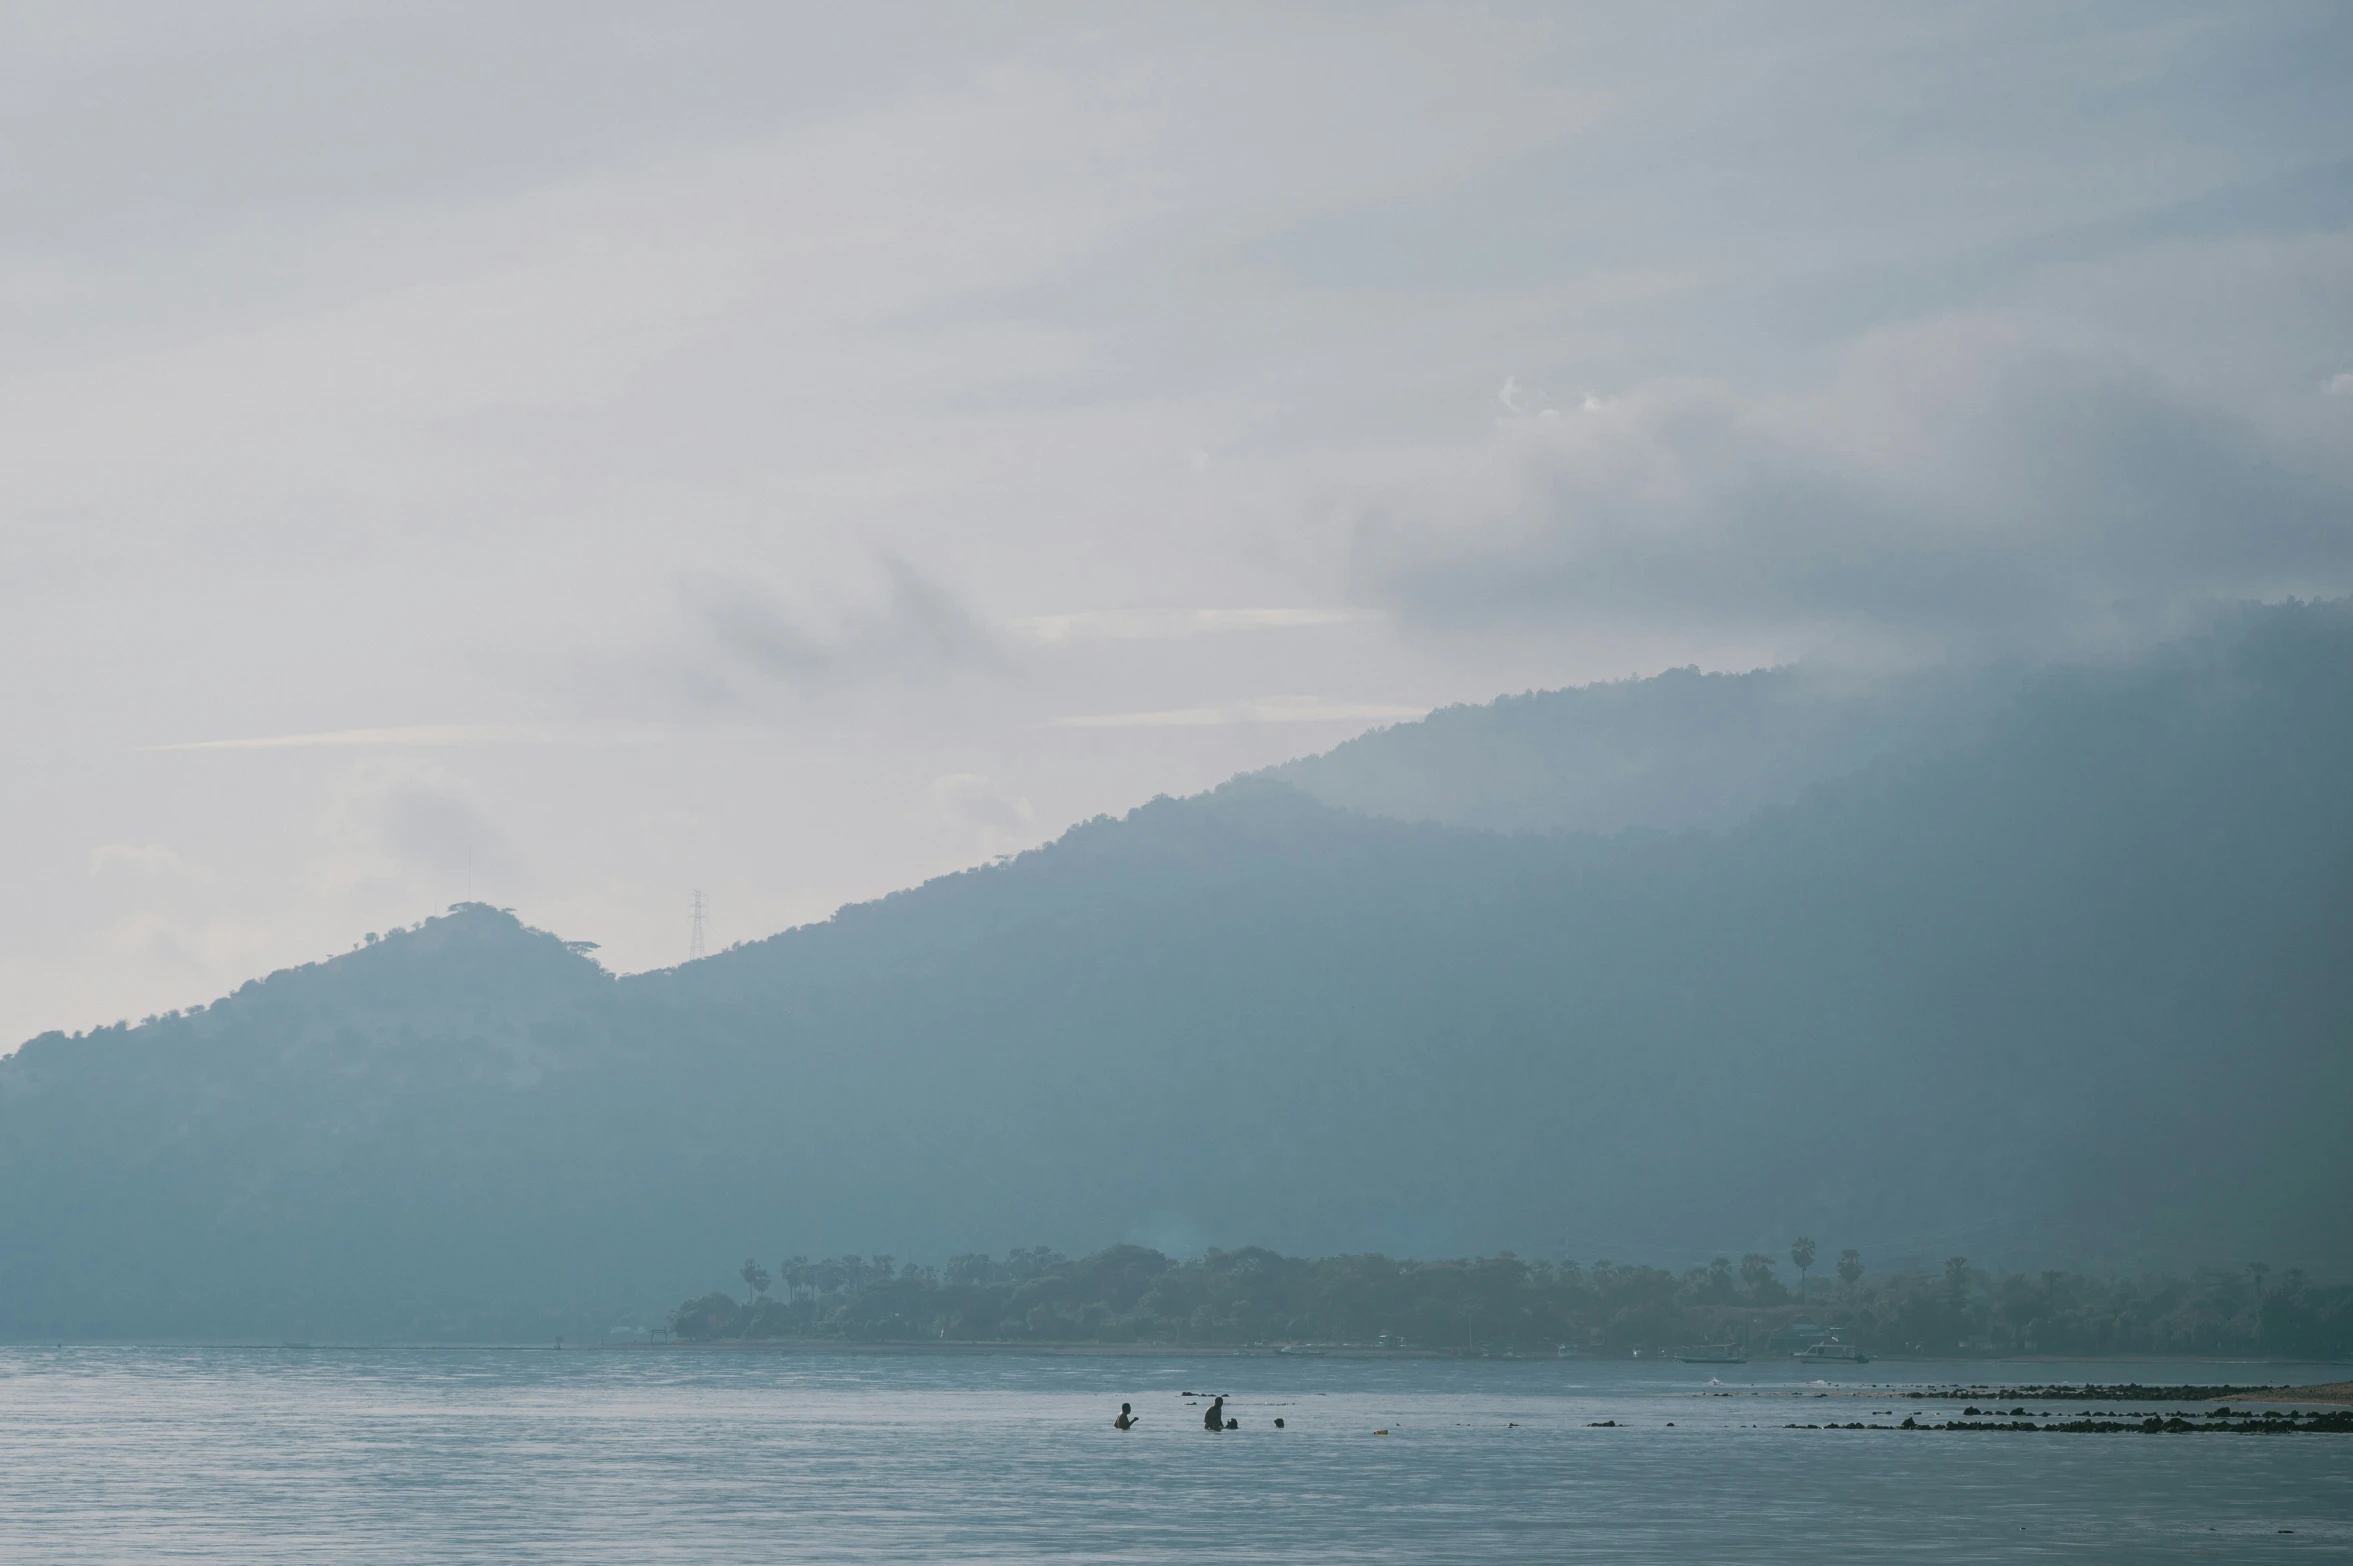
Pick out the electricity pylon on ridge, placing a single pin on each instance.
(694, 937)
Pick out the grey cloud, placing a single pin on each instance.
(436, 827)
(401, 824)
(915, 630)
(1963, 481)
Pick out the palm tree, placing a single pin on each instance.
(1956, 1284)
(1801, 1251)
(1850, 1268)
(755, 1278)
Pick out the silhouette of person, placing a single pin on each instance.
(1125, 1419)
(1215, 1418)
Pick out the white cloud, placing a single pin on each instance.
(2338, 385)
(970, 800)
(151, 859)
(156, 940)
(416, 735)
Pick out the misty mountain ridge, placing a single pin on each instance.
(2059, 972)
(1676, 751)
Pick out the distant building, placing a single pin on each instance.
(1797, 1335)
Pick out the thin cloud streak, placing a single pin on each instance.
(151, 859)
(415, 735)
(1273, 709)
(1151, 625)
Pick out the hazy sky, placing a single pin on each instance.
(572, 454)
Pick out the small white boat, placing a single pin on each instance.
(1712, 1354)
(1833, 1351)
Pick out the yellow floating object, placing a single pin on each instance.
(1380, 1432)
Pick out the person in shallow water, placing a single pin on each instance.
(1126, 1419)
(1215, 1418)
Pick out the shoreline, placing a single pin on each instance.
(2331, 1391)
(1366, 1351)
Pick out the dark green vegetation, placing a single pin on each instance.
(2074, 989)
(1129, 1294)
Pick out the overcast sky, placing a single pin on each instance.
(568, 455)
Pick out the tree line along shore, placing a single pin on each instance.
(1129, 1294)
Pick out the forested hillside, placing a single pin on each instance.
(2075, 989)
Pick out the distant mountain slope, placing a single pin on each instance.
(1678, 751)
(2077, 990)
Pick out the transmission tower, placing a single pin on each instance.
(694, 936)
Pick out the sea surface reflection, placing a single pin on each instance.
(745, 1456)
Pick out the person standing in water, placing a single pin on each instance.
(1126, 1419)
(1215, 1418)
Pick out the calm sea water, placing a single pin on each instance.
(254, 1455)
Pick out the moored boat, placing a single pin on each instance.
(1712, 1354)
(1833, 1351)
